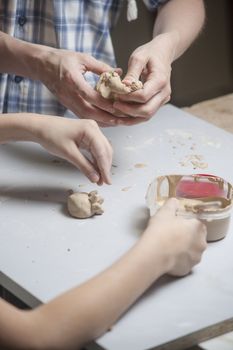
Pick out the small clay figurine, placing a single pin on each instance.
(83, 205)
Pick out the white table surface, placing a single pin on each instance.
(44, 252)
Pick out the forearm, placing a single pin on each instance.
(20, 57)
(170, 244)
(20, 127)
(15, 328)
(181, 20)
(86, 312)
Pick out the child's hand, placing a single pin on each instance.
(182, 241)
(65, 137)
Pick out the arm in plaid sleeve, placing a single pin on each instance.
(62, 72)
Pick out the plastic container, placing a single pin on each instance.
(203, 196)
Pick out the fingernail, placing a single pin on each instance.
(109, 180)
(94, 177)
(113, 121)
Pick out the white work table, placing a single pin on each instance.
(44, 252)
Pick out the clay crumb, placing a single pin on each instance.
(200, 165)
(196, 160)
(125, 189)
(140, 165)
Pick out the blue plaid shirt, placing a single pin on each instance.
(79, 25)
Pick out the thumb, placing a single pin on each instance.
(170, 207)
(135, 68)
(75, 157)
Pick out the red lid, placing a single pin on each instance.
(199, 186)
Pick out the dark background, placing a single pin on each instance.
(206, 70)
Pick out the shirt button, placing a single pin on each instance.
(18, 79)
(22, 20)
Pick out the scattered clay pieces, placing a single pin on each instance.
(196, 160)
(83, 205)
(110, 85)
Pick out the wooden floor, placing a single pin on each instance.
(218, 111)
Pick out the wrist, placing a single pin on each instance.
(156, 253)
(42, 62)
(23, 58)
(167, 44)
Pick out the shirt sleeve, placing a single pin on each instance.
(152, 5)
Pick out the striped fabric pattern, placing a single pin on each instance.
(78, 25)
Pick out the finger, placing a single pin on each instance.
(119, 114)
(101, 116)
(85, 166)
(85, 110)
(129, 121)
(96, 66)
(101, 151)
(203, 230)
(146, 110)
(101, 181)
(99, 67)
(104, 162)
(153, 85)
(103, 125)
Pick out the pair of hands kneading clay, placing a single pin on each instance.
(110, 85)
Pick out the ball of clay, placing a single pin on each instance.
(110, 85)
(83, 205)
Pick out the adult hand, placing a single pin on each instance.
(151, 62)
(181, 241)
(62, 72)
(65, 137)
